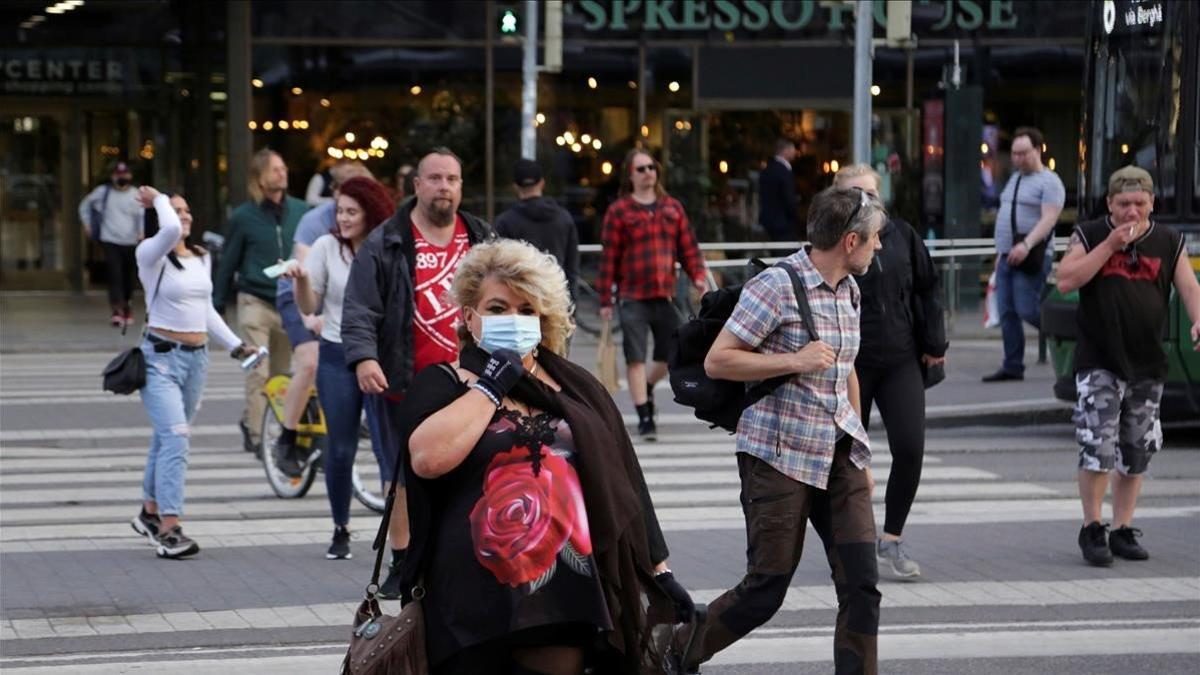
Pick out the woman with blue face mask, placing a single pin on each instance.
(527, 505)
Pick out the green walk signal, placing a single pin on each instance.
(510, 23)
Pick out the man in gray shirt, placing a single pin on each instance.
(1029, 208)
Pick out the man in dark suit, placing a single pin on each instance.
(777, 193)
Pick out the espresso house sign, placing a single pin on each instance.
(796, 15)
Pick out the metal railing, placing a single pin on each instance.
(948, 255)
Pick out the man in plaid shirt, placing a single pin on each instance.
(645, 232)
(802, 451)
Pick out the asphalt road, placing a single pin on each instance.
(1004, 589)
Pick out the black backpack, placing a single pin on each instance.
(721, 402)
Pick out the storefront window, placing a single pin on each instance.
(590, 112)
(32, 224)
(385, 107)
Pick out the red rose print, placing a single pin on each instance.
(522, 521)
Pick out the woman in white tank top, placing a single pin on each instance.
(180, 318)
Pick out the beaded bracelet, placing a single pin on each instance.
(484, 390)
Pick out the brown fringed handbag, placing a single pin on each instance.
(382, 644)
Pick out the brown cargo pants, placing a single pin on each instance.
(776, 509)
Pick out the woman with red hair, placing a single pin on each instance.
(362, 204)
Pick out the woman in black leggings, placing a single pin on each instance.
(903, 328)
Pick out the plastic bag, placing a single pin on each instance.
(991, 311)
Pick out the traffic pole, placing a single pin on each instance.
(529, 71)
(864, 23)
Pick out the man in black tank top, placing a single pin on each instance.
(1124, 266)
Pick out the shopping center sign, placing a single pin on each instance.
(794, 15)
(73, 71)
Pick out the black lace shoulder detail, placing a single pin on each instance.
(533, 432)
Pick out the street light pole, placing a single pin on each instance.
(529, 83)
(864, 24)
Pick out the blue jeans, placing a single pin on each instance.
(342, 402)
(174, 384)
(1019, 297)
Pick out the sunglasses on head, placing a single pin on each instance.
(862, 201)
(644, 168)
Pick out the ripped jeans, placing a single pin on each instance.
(174, 384)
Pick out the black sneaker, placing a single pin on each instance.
(286, 458)
(248, 443)
(390, 588)
(647, 430)
(175, 544)
(340, 548)
(147, 525)
(1122, 542)
(1093, 541)
(1003, 376)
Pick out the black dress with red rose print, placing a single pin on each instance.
(509, 542)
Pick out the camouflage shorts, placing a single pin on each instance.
(1116, 422)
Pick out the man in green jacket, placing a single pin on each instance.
(259, 235)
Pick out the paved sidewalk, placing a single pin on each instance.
(47, 322)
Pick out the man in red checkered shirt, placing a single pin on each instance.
(645, 232)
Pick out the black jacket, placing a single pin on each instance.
(377, 312)
(902, 315)
(777, 201)
(548, 226)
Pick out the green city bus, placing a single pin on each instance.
(1141, 104)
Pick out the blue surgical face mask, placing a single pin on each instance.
(517, 332)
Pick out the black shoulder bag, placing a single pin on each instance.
(126, 373)
(1032, 264)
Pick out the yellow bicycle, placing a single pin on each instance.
(311, 434)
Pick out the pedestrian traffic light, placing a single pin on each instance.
(510, 22)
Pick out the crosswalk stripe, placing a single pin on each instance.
(1124, 638)
(726, 492)
(942, 647)
(220, 394)
(306, 521)
(798, 598)
(725, 474)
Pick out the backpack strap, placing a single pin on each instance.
(766, 387)
(801, 301)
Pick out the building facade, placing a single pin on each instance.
(186, 90)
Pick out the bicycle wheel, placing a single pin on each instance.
(365, 476)
(587, 306)
(285, 486)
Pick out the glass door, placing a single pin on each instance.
(33, 224)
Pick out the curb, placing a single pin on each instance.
(1017, 417)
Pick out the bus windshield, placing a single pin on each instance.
(1133, 116)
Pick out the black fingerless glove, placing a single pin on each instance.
(500, 374)
(685, 608)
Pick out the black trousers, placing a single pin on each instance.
(900, 394)
(122, 270)
(777, 509)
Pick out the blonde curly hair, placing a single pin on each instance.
(528, 272)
